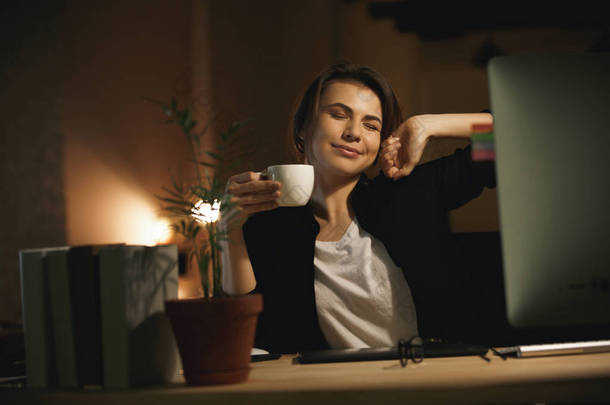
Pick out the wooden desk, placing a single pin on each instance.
(579, 378)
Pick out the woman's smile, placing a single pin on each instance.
(347, 151)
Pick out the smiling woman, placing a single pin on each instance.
(367, 261)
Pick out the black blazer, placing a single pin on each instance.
(409, 216)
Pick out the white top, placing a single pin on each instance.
(362, 297)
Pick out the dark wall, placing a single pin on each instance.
(81, 151)
(263, 57)
(31, 139)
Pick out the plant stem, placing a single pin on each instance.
(218, 282)
(204, 273)
(212, 237)
(216, 262)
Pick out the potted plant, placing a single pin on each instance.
(215, 333)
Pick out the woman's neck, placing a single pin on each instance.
(330, 198)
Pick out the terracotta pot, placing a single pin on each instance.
(215, 337)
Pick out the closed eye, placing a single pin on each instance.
(372, 127)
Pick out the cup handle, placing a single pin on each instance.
(263, 174)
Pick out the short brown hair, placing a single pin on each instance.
(309, 106)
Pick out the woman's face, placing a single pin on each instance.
(347, 132)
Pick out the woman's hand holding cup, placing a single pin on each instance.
(251, 192)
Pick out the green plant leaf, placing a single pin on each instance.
(196, 231)
(186, 120)
(175, 202)
(232, 130)
(213, 155)
(202, 163)
(177, 186)
(176, 211)
(189, 126)
(207, 176)
(189, 226)
(205, 261)
(174, 193)
(176, 190)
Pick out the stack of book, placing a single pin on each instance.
(93, 315)
(482, 142)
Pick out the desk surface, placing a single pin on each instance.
(574, 378)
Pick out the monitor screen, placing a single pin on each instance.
(552, 140)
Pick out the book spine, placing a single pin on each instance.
(61, 315)
(152, 278)
(84, 294)
(137, 341)
(38, 334)
(113, 304)
(483, 146)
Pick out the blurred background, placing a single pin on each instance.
(83, 152)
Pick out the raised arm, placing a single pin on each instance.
(402, 151)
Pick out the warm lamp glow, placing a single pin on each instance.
(147, 229)
(161, 232)
(137, 222)
(205, 212)
(180, 291)
(106, 204)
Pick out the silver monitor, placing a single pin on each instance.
(552, 140)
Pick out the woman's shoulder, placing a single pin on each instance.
(277, 218)
(278, 229)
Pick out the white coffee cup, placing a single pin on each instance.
(297, 183)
